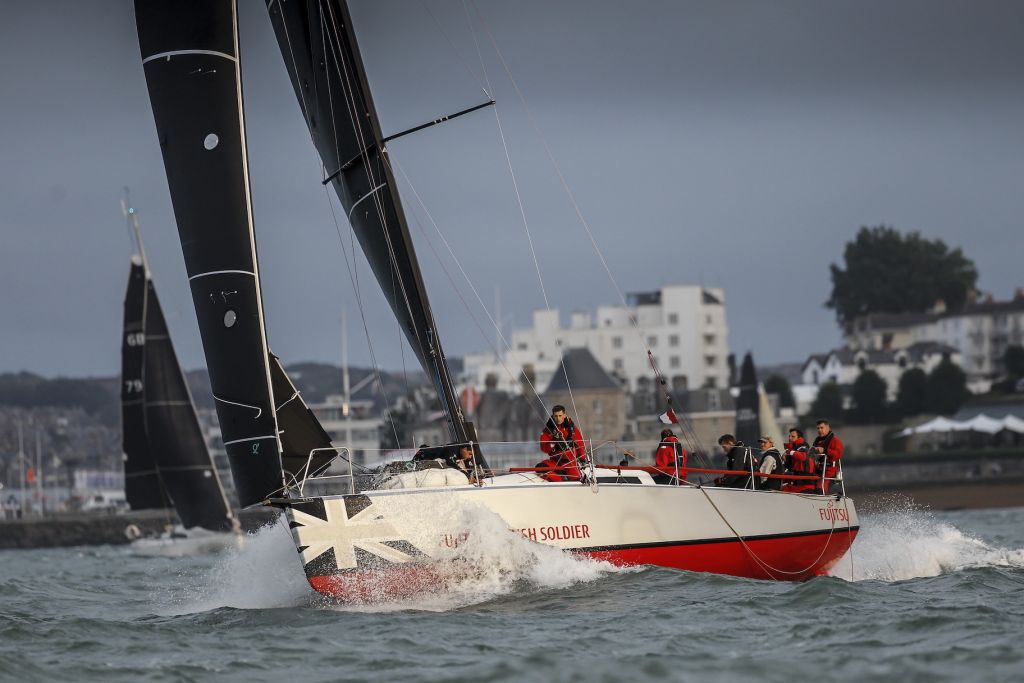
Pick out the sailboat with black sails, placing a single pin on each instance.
(167, 464)
(386, 539)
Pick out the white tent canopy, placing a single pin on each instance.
(978, 423)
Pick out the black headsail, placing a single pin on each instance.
(161, 430)
(326, 69)
(748, 404)
(190, 56)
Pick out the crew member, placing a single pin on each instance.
(737, 458)
(772, 462)
(669, 456)
(461, 459)
(830, 450)
(800, 461)
(562, 442)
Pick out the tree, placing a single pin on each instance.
(828, 404)
(888, 273)
(1013, 360)
(779, 385)
(911, 393)
(946, 389)
(869, 391)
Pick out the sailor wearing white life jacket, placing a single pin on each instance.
(772, 462)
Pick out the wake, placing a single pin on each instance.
(911, 543)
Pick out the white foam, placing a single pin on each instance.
(907, 544)
(261, 572)
(491, 561)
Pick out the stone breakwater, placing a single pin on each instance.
(98, 529)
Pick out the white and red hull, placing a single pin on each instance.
(351, 545)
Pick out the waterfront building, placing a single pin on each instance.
(683, 325)
(980, 331)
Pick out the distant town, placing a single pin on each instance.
(924, 365)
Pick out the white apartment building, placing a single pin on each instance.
(684, 326)
(980, 332)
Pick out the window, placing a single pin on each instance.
(814, 377)
(674, 362)
(673, 340)
(673, 318)
(617, 363)
(616, 342)
(707, 319)
(521, 346)
(709, 340)
(903, 361)
(680, 383)
(861, 364)
(714, 399)
(709, 361)
(597, 406)
(652, 341)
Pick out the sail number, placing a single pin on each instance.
(132, 386)
(135, 339)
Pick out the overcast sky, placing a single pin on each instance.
(734, 144)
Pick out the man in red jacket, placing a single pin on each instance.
(562, 442)
(665, 459)
(829, 449)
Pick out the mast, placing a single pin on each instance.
(322, 56)
(191, 61)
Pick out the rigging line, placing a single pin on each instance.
(519, 201)
(352, 270)
(476, 322)
(558, 171)
(352, 267)
(462, 60)
(472, 287)
(453, 410)
(353, 274)
(343, 72)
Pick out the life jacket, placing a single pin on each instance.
(830, 458)
(800, 460)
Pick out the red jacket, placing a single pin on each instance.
(665, 457)
(833, 448)
(569, 432)
(560, 456)
(801, 462)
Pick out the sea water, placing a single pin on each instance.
(923, 596)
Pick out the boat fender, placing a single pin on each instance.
(132, 532)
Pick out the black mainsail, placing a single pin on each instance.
(748, 404)
(322, 57)
(166, 458)
(190, 57)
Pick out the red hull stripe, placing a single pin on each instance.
(725, 539)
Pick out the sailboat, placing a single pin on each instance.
(380, 538)
(167, 465)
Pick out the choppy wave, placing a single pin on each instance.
(907, 543)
